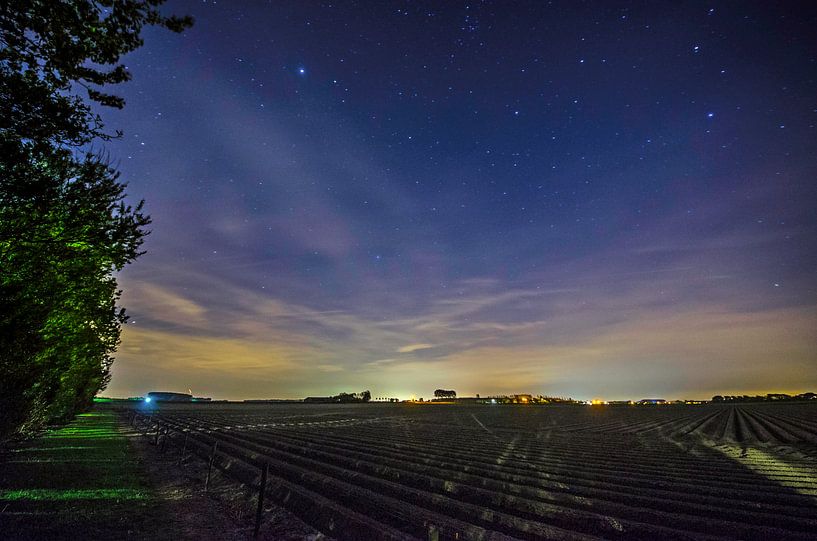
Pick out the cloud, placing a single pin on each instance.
(166, 305)
(691, 354)
(150, 359)
(633, 334)
(683, 303)
(413, 347)
(329, 368)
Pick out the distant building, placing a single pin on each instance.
(320, 400)
(157, 396)
(473, 400)
(778, 396)
(651, 401)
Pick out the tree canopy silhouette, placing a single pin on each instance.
(64, 225)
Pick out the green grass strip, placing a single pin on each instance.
(45, 494)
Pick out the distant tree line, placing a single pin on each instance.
(771, 397)
(444, 394)
(64, 226)
(346, 398)
(342, 398)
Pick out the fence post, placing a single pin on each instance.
(433, 533)
(262, 488)
(164, 438)
(210, 466)
(184, 449)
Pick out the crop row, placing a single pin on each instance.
(480, 473)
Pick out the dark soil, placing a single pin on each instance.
(225, 512)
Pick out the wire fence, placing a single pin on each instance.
(165, 435)
(256, 474)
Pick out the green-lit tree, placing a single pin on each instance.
(64, 228)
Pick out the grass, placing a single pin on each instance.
(41, 494)
(81, 481)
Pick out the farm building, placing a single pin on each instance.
(652, 401)
(473, 400)
(159, 396)
(319, 400)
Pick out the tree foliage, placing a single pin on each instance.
(347, 398)
(64, 225)
(54, 52)
(443, 393)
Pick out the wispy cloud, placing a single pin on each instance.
(623, 335)
(411, 348)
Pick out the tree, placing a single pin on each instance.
(442, 393)
(346, 398)
(53, 51)
(64, 228)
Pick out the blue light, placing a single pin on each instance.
(147, 399)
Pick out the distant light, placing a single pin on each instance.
(302, 71)
(147, 399)
(710, 115)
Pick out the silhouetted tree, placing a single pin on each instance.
(442, 393)
(64, 228)
(345, 398)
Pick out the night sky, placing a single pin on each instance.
(577, 199)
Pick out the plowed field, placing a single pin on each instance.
(519, 472)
